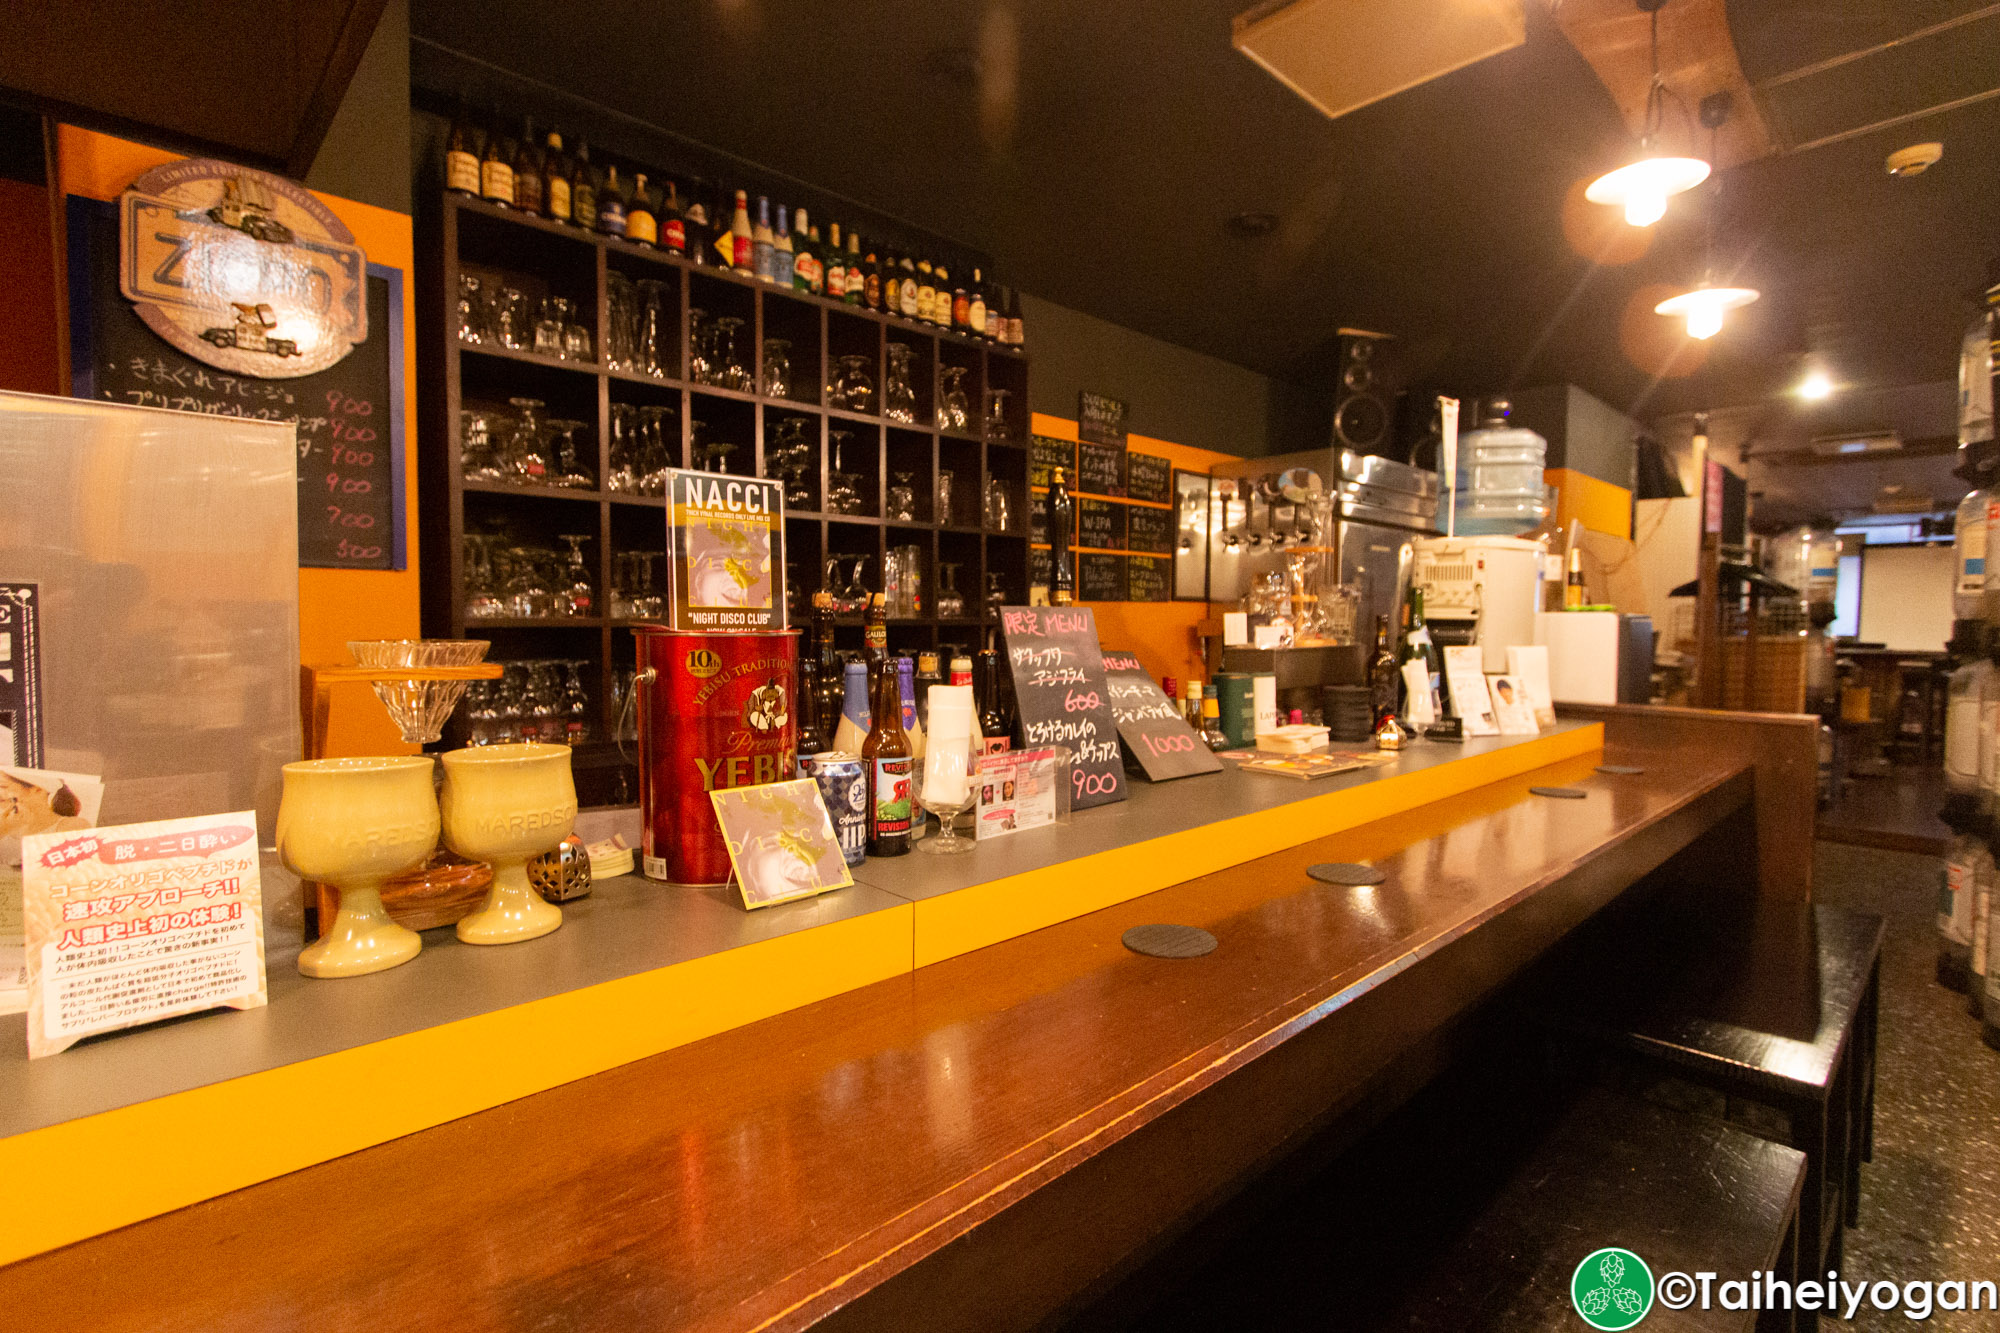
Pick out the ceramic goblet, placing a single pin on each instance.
(503, 804)
(353, 823)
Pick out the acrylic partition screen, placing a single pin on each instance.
(163, 547)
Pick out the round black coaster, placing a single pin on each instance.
(1619, 770)
(1560, 793)
(1350, 873)
(1165, 941)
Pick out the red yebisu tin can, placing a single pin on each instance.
(715, 711)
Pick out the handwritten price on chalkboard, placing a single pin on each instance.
(1074, 702)
(1159, 745)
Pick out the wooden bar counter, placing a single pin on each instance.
(974, 1144)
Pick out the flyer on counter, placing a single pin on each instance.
(1512, 707)
(1016, 790)
(1465, 676)
(33, 800)
(782, 844)
(1530, 662)
(726, 540)
(140, 922)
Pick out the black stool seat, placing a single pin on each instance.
(1657, 996)
(1685, 1193)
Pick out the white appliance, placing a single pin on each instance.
(1479, 590)
(1583, 655)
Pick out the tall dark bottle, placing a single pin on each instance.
(887, 763)
(583, 190)
(1062, 523)
(496, 170)
(1382, 674)
(1417, 647)
(826, 706)
(806, 693)
(528, 171)
(461, 156)
(556, 174)
(993, 725)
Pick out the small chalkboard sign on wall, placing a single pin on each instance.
(1149, 530)
(1146, 578)
(1100, 419)
(1057, 665)
(1045, 452)
(1149, 477)
(1100, 469)
(1100, 578)
(1100, 523)
(349, 416)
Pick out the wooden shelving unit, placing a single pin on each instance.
(461, 234)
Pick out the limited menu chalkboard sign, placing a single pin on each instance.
(349, 416)
(1100, 420)
(1149, 477)
(1149, 530)
(1100, 469)
(1157, 742)
(1045, 452)
(1100, 523)
(1146, 578)
(1100, 578)
(1057, 666)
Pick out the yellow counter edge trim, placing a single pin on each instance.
(957, 923)
(84, 1177)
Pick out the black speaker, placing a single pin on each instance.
(1366, 386)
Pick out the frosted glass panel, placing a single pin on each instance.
(165, 545)
(1906, 596)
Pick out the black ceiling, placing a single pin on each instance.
(1098, 150)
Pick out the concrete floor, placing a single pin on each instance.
(1930, 1201)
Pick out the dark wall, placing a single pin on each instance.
(366, 155)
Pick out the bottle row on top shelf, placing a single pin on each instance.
(712, 224)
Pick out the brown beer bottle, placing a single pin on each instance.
(887, 762)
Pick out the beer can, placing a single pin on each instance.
(843, 783)
(715, 711)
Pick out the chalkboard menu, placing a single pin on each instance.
(1157, 742)
(1150, 530)
(1149, 477)
(1059, 689)
(349, 416)
(1100, 469)
(1100, 523)
(1046, 452)
(1100, 578)
(1100, 420)
(1041, 567)
(1147, 579)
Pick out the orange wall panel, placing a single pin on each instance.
(335, 605)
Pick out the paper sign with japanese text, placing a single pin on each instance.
(140, 922)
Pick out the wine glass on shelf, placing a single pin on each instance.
(578, 597)
(528, 462)
(998, 515)
(570, 471)
(899, 396)
(471, 310)
(549, 326)
(903, 498)
(731, 373)
(624, 477)
(954, 412)
(996, 415)
(996, 595)
(855, 594)
(482, 592)
(843, 488)
(478, 459)
(950, 602)
(777, 368)
(621, 335)
(701, 355)
(649, 348)
(655, 455)
(854, 390)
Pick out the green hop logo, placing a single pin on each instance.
(1612, 1289)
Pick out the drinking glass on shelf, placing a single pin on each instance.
(528, 457)
(701, 354)
(777, 368)
(524, 585)
(482, 590)
(650, 354)
(945, 479)
(854, 595)
(950, 602)
(570, 470)
(899, 396)
(854, 390)
(656, 454)
(730, 372)
(578, 596)
(576, 341)
(624, 476)
(511, 323)
(549, 326)
(788, 458)
(575, 703)
(954, 412)
(903, 498)
(902, 582)
(471, 310)
(996, 415)
(478, 457)
(621, 331)
(843, 488)
(996, 595)
(998, 519)
(892, 583)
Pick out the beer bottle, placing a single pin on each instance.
(961, 310)
(906, 690)
(1382, 678)
(856, 716)
(961, 674)
(583, 190)
(556, 173)
(694, 220)
(818, 272)
(763, 245)
(1062, 523)
(826, 707)
(975, 308)
(528, 170)
(941, 299)
(926, 291)
(801, 252)
(1017, 335)
(1573, 595)
(673, 231)
(908, 304)
(836, 265)
(496, 170)
(805, 705)
(993, 728)
(853, 293)
(927, 676)
(722, 230)
(782, 255)
(744, 244)
(1417, 646)
(996, 320)
(461, 156)
(871, 283)
(611, 204)
(875, 639)
(642, 224)
(886, 762)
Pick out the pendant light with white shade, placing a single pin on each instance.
(1705, 305)
(1643, 187)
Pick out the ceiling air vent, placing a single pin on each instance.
(1343, 54)
(1874, 442)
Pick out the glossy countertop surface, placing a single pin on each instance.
(763, 1177)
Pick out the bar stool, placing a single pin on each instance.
(1649, 1013)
